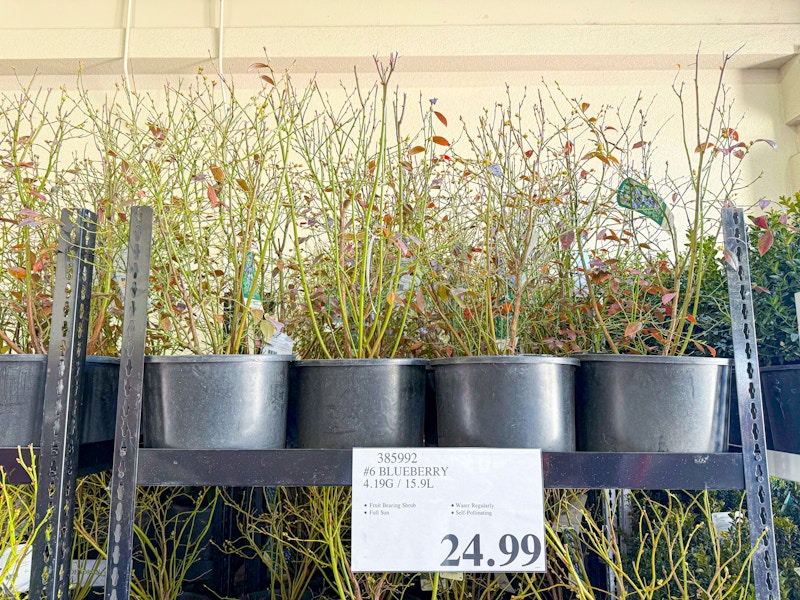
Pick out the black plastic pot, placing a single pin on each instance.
(346, 403)
(525, 401)
(628, 403)
(22, 379)
(228, 402)
(735, 430)
(780, 388)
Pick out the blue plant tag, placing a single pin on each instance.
(636, 196)
(249, 281)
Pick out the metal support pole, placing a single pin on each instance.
(129, 406)
(55, 498)
(751, 412)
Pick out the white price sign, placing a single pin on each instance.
(448, 509)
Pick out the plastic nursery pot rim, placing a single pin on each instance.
(43, 357)
(23, 357)
(220, 358)
(516, 359)
(103, 359)
(651, 359)
(361, 362)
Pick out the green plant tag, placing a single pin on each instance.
(637, 196)
(249, 281)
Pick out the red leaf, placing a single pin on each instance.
(730, 133)
(638, 145)
(711, 351)
(584, 106)
(268, 79)
(255, 66)
(397, 241)
(731, 260)
(666, 298)
(783, 219)
(567, 239)
(528, 153)
(632, 329)
(416, 150)
(739, 154)
(212, 196)
(38, 265)
(440, 116)
(699, 347)
(691, 319)
(568, 148)
(39, 195)
(437, 139)
(18, 272)
(763, 290)
(420, 301)
(761, 221)
(765, 242)
(704, 146)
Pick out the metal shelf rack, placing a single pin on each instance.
(133, 466)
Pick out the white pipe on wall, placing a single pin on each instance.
(221, 39)
(126, 49)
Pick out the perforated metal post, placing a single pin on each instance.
(751, 413)
(58, 460)
(129, 406)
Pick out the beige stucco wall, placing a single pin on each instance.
(462, 52)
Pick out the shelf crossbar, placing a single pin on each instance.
(576, 470)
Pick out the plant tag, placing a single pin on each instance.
(637, 196)
(448, 510)
(249, 280)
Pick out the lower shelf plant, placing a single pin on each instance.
(673, 550)
(170, 539)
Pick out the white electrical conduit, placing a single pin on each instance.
(125, 52)
(219, 55)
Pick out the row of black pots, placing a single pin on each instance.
(597, 403)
